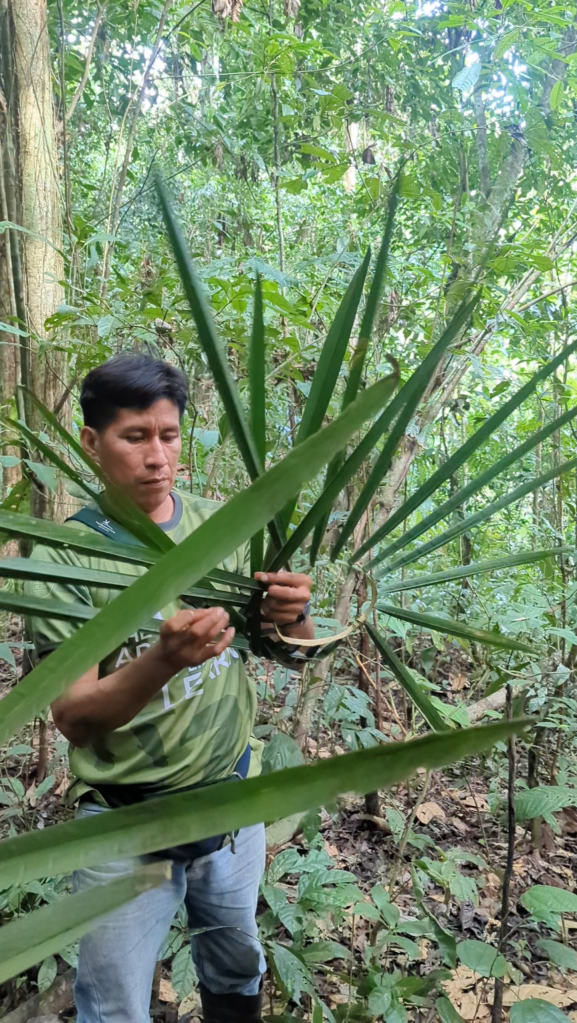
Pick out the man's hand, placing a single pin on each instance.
(287, 595)
(192, 637)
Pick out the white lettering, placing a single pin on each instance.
(124, 657)
(191, 683)
(166, 697)
(141, 648)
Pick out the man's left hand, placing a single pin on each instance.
(288, 593)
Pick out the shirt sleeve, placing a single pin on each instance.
(48, 633)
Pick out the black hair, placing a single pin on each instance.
(130, 381)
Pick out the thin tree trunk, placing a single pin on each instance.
(114, 218)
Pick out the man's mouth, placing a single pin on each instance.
(156, 482)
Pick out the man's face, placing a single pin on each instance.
(139, 452)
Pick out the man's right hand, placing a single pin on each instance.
(193, 637)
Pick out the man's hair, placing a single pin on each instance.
(133, 382)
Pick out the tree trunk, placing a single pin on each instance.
(31, 195)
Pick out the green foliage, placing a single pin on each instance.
(482, 958)
(536, 1010)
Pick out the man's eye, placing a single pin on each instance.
(134, 438)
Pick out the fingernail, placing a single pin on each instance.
(263, 578)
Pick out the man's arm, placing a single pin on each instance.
(91, 706)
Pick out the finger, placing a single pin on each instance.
(284, 578)
(224, 641)
(210, 625)
(287, 593)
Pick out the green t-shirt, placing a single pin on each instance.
(198, 725)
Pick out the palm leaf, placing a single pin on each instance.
(405, 679)
(88, 541)
(417, 582)
(464, 493)
(454, 628)
(224, 807)
(408, 399)
(474, 520)
(358, 357)
(183, 566)
(256, 377)
(334, 486)
(208, 337)
(36, 935)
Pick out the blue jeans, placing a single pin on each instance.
(117, 959)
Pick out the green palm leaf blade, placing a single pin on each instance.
(36, 935)
(47, 571)
(223, 807)
(55, 535)
(334, 486)
(358, 357)
(113, 502)
(332, 355)
(465, 492)
(464, 525)
(454, 628)
(256, 377)
(417, 582)
(208, 337)
(184, 565)
(329, 365)
(409, 396)
(405, 678)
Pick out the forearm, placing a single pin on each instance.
(92, 706)
(304, 630)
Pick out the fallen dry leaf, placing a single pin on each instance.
(427, 811)
(167, 993)
(476, 802)
(549, 994)
(458, 681)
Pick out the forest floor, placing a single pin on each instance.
(449, 814)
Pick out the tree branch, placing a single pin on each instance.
(89, 54)
(482, 149)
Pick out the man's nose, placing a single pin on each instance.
(155, 454)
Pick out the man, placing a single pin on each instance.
(161, 715)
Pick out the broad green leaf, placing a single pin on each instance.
(447, 1012)
(208, 337)
(183, 974)
(542, 900)
(464, 453)
(408, 398)
(47, 973)
(542, 800)
(358, 357)
(453, 628)
(7, 655)
(405, 679)
(536, 1010)
(47, 930)
(256, 377)
(293, 974)
(324, 951)
(467, 78)
(417, 582)
(200, 813)
(470, 521)
(482, 958)
(183, 566)
(333, 487)
(559, 954)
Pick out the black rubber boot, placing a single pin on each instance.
(230, 1008)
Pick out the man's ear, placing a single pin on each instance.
(89, 441)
